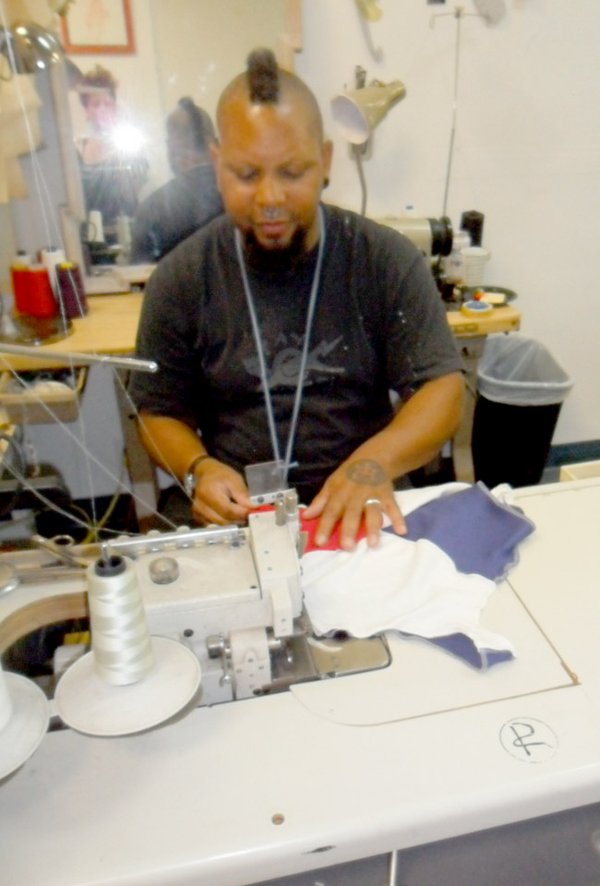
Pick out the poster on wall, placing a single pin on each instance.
(98, 27)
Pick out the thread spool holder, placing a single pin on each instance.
(166, 681)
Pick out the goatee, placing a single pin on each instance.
(275, 258)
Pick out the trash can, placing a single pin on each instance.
(520, 391)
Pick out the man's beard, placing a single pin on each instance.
(275, 258)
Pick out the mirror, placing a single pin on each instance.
(181, 48)
(156, 54)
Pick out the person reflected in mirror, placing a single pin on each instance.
(191, 198)
(113, 167)
(282, 326)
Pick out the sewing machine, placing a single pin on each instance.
(431, 236)
(231, 595)
(418, 748)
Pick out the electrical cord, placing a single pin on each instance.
(357, 151)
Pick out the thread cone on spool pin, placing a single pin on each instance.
(121, 644)
(37, 318)
(71, 291)
(130, 681)
(24, 718)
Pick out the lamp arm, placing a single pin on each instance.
(357, 152)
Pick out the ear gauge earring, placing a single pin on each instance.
(326, 181)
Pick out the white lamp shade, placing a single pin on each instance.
(357, 113)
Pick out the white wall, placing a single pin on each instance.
(527, 150)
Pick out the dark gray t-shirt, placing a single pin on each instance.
(379, 325)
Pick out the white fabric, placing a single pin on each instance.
(413, 587)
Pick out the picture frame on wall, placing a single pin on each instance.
(98, 27)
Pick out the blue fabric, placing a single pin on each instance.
(479, 533)
(464, 647)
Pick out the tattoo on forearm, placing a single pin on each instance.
(366, 472)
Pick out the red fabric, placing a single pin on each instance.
(310, 528)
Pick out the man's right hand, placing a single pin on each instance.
(221, 495)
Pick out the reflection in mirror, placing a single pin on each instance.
(177, 50)
(112, 165)
(183, 50)
(190, 198)
(64, 427)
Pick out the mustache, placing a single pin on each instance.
(271, 213)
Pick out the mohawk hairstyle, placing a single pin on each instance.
(263, 77)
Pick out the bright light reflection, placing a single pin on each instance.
(127, 139)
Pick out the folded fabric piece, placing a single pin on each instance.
(474, 528)
(432, 583)
(479, 656)
(412, 587)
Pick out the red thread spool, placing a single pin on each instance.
(71, 292)
(37, 296)
(20, 283)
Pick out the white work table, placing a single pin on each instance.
(328, 772)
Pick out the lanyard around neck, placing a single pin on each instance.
(260, 350)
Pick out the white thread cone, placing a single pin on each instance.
(121, 643)
(24, 718)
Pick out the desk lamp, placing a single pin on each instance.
(358, 112)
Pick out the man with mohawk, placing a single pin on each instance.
(281, 328)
